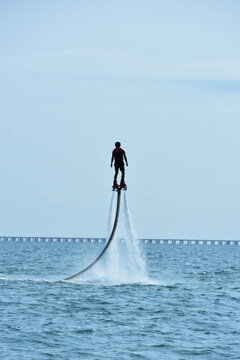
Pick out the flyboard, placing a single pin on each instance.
(118, 189)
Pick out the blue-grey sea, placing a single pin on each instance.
(187, 306)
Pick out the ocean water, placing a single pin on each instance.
(186, 306)
(147, 301)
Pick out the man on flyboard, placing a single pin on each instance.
(119, 155)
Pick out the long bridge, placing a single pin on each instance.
(104, 240)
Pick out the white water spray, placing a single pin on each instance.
(124, 262)
(110, 216)
(135, 260)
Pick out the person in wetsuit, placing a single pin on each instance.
(119, 155)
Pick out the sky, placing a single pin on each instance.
(161, 77)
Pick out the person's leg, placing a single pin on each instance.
(123, 174)
(116, 173)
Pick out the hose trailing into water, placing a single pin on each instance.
(108, 243)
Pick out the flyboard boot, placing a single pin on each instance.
(115, 186)
(123, 185)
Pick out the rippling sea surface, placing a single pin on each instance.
(186, 306)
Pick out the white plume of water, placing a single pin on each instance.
(135, 260)
(110, 215)
(111, 265)
(101, 270)
(124, 262)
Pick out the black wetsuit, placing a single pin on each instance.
(118, 155)
(118, 158)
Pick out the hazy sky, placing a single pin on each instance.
(162, 77)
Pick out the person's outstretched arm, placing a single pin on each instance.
(125, 157)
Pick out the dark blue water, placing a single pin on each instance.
(186, 307)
